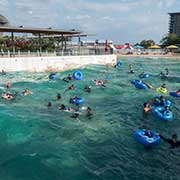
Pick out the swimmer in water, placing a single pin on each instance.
(68, 78)
(7, 96)
(167, 72)
(26, 92)
(178, 91)
(49, 105)
(69, 88)
(75, 115)
(167, 110)
(87, 88)
(62, 107)
(58, 97)
(3, 72)
(164, 75)
(89, 113)
(163, 85)
(141, 75)
(99, 83)
(162, 101)
(131, 69)
(8, 85)
(173, 141)
(148, 133)
(146, 110)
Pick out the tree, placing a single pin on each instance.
(170, 39)
(147, 43)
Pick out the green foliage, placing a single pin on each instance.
(170, 39)
(147, 43)
(24, 44)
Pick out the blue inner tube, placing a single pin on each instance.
(53, 76)
(145, 75)
(78, 75)
(77, 101)
(138, 84)
(119, 64)
(160, 113)
(166, 102)
(174, 94)
(141, 86)
(136, 81)
(141, 136)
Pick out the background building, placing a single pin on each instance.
(174, 24)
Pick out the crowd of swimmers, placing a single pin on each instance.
(164, 74)
(7, 95)
(161, 74)
(157, 101)
(160, 101)
(76, 110)
(147, 106)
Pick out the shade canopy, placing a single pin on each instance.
(138, 47)
(154, 47)
(172, 47)
(48, 31)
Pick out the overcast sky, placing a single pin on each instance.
(117, 20)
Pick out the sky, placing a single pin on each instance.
(118, 20)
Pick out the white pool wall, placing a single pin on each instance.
(56, 63)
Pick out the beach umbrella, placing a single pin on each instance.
(138, 47)
(172, 47)
(154, 47)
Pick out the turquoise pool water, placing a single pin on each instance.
(37, 143)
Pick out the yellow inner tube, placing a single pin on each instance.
(161, 90)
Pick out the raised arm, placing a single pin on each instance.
(166, 139)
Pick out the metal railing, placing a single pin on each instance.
(80, 51)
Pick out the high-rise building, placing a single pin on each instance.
(174, 24)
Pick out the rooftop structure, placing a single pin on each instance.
(39, 32)
(57, 41)
(174, 24)
(44, 31)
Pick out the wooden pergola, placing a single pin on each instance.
(40, 32)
